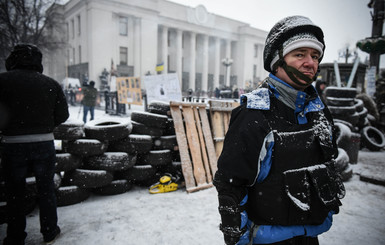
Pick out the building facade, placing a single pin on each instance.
(135, 37)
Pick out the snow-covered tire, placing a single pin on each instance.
(362, 118)
(343, 134)
(167, 142)
(372, 138)
(116, 187)
(342, 160)
(69, 195)
(87, 147)
(333, 101)
(111, 161)
(71, 129)
(170, 127)
(86, 178)
(67, 162)
(140, 128)
(353, 118)
(370, 104)
(160, 107)
(342, 110)
(359, 105)
(340, 92)
(347, 173)
(108, 129)
(156, 158)
(139, 173)
(133, 144)
(150, 119)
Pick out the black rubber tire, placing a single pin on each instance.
(343, 134)
(352, 119)
(116, 187)
(340, 92)
(342, 160)
(69, 130)
(86, 178)
(67, 162)
(362, 118)
(138, 173)
(372, 138)
(110, 161)
(156, 158)
(170, 128)
(333, 101)
(347, 173)
(359, 104)
(335, 120)
(167, 142)
(108, 129)
(369, 104)
(87, 147)
(159, 107)
(133, 144)
(141, 129)
(69, 195)
(150, 119)
(342, 110)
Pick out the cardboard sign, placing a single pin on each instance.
(164, 87)
(129, 90)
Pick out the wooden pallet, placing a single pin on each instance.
(220, 113)
(196, 146)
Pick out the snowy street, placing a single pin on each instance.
(178, 218)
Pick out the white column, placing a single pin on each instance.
(165, 49)
(228, 55)
(217, 64)
(205, 61)
(179, 68)
(137, 43)
(192, 60)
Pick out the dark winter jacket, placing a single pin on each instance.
(283, 159)
(30, 102)
(90, 94)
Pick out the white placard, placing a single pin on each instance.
(164, 87)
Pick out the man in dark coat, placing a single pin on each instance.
(89, 100)
(276, 180)
(31, 106)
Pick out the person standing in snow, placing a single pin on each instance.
(89, 100)
(31, 106)
(276, 179)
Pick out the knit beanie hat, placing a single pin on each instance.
(300, 40)
(288, 34)
(25, 56)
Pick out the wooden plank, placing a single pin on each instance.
(183, 147)
(202, 144)
(208, 140)
(194, 145)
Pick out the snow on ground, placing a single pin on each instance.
(178, 218)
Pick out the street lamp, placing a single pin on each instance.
(227, 62)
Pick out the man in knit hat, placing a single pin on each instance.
(276, 180)
(31, 106)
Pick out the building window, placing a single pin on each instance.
(73, 55)
(67, 31)
(255, 50)
(73, 28)
(123, 55)
(79, 25)
(123, 26)
(254, 71)
(80, 54)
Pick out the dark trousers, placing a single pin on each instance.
(85, 112)
(17, 159)
(299, 240)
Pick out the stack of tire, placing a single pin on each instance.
(353, 123)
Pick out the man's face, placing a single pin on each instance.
(305, 60)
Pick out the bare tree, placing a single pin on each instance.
(29, 21)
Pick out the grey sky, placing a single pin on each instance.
(344, 22)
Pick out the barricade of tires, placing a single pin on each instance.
(109, 156)
(354, 116)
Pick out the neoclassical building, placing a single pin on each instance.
(134, 37)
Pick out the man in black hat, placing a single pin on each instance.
(90, 94)
(31, 106)
(276, 180)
